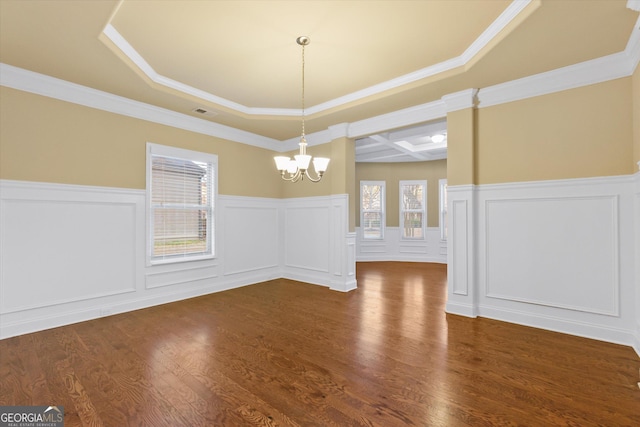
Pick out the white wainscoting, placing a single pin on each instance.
(250, 231)
(575, 242)
(461, 259)
(73, 253)
(394, 248)
(63, 249)
(317, 245)
(558, 255)
(307, 221)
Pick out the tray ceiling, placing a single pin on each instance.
(238, 60)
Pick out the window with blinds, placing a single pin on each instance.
(413, 209)
(180, 193)
(372, 209)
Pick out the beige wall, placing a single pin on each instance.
(339, 178)
(392, 174)
(343, 181)
(461, 142)
(636, 119)
(583, 132)
(47, 140)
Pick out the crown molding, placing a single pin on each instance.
(586, 73)
(129, 51)
(508, 15)
(460, 100)
(397, 119)
(40, 84)
(341, 130)
(483, 40)
(632, 50)
(598, 70)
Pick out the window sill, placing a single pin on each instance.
(178, 260)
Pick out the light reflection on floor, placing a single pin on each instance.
(417, 309)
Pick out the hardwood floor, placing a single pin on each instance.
(292, 354)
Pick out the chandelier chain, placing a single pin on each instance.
(303, 110)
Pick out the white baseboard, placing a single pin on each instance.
(33, 323)
(344, 286)
(594, 331)
(461, 309)
(388, 258)
(636, 340)
(393, 248)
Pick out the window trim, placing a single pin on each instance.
(181, 153)
(382, 211)
(443, 211)
(401, 211)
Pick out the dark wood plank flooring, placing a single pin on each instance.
(283, 353)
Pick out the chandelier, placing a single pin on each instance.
(296, 169)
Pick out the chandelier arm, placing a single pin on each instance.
(294, 177)
(283, 175)
(312, 179)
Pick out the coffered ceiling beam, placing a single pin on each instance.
(391, 144)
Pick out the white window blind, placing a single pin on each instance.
(372, 204)
(413, 209)
(181, 195)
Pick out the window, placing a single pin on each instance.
(443, 209)
(413, 196)
(181, 191)
(372, 209)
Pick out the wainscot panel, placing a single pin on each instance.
(559, 255)
(250, 234)
(65, 245)
(560, 252)
(461, 254)
(307, 235)
(67, 253)
(317, 247)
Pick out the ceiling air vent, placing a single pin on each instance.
(204, 112)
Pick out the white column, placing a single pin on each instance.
(343, 246)
(462, 247)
